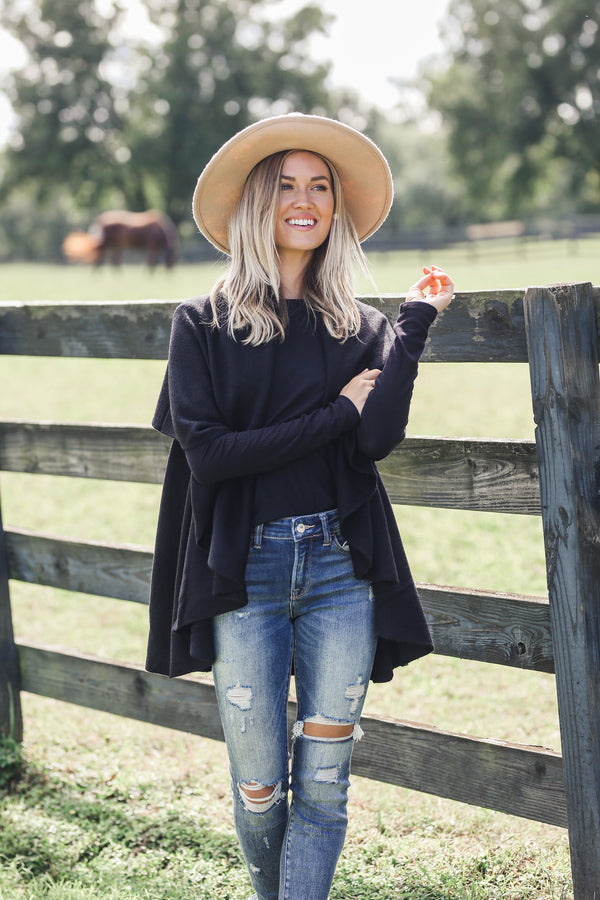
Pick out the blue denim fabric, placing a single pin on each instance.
(305, 604)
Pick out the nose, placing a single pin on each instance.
(302, 198)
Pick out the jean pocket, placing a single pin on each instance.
(339, 544)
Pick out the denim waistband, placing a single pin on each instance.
(299, 528)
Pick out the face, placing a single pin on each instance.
(306, 204)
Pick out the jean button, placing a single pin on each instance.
(301, 528)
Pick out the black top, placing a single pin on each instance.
(250, 424)
(305, 485)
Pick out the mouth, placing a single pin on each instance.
(302, 223)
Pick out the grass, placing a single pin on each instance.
(99, 808)
(111, 809)
(501, 264)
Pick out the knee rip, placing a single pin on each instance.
(259, 798)
(320, 728)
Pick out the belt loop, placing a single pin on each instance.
(258, 532)
(326, 532)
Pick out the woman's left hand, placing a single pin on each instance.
(439, 285)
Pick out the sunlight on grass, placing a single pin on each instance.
(486, 266)
(483, 266)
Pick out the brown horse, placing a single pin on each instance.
(115, 231)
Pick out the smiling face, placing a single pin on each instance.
(306, 204)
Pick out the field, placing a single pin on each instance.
(107, 808)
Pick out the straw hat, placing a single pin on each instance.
(362, 167)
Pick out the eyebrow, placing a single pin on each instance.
(314, 178)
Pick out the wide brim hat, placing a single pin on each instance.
(363, 170)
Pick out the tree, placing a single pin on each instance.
(68, 110)
(223, 65)
(427, 198)
(521, 99)
(135, 124)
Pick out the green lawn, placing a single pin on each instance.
(109, 808)
(495, 264)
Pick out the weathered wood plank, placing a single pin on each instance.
(122, 572)
(490, 627)
(480, 326)
(521, 781)
(125, 690)
(493, 476)
(483, 325)
(563, 351)
(508, 629)
(129, 330)
(11, 721)
(490, 475)
(115, 452)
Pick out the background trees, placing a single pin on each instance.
(133, 125)
(106, 121)
(221, 66)
(521, 100)
(71, 124)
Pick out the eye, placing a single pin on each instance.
(285, 186)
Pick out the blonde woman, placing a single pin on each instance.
(277, 550)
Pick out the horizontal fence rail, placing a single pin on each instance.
(521, 781)
(129, 330)
(487, 626)
(106, 570)
(489, 476)
(134, 453)
(453, 473)
(485, 326)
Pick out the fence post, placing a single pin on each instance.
(11, 722)
(562, 339)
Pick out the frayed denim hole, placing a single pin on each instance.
(259, 804)
(299, 730)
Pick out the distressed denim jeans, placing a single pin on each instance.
(305, 608)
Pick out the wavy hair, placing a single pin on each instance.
(248, 298)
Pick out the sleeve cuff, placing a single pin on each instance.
(350, 412)
(420, 310)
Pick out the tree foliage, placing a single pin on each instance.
(134, 125)
(221, 66)
(521, 100)
(68, 114)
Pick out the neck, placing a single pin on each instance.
(292, 274)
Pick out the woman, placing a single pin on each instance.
(277, 549)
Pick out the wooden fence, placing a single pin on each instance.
(557, 476)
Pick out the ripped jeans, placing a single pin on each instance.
(304, 605)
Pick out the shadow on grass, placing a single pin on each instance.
(65, 837)
(77, 834)
(57, 827)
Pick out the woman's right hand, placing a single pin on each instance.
(358, 389)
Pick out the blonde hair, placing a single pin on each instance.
(248, 297)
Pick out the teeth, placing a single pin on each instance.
(301, 221)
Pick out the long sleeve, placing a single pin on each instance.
(215, 450)
(233, 409)
(221, 454)
(385, 414)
